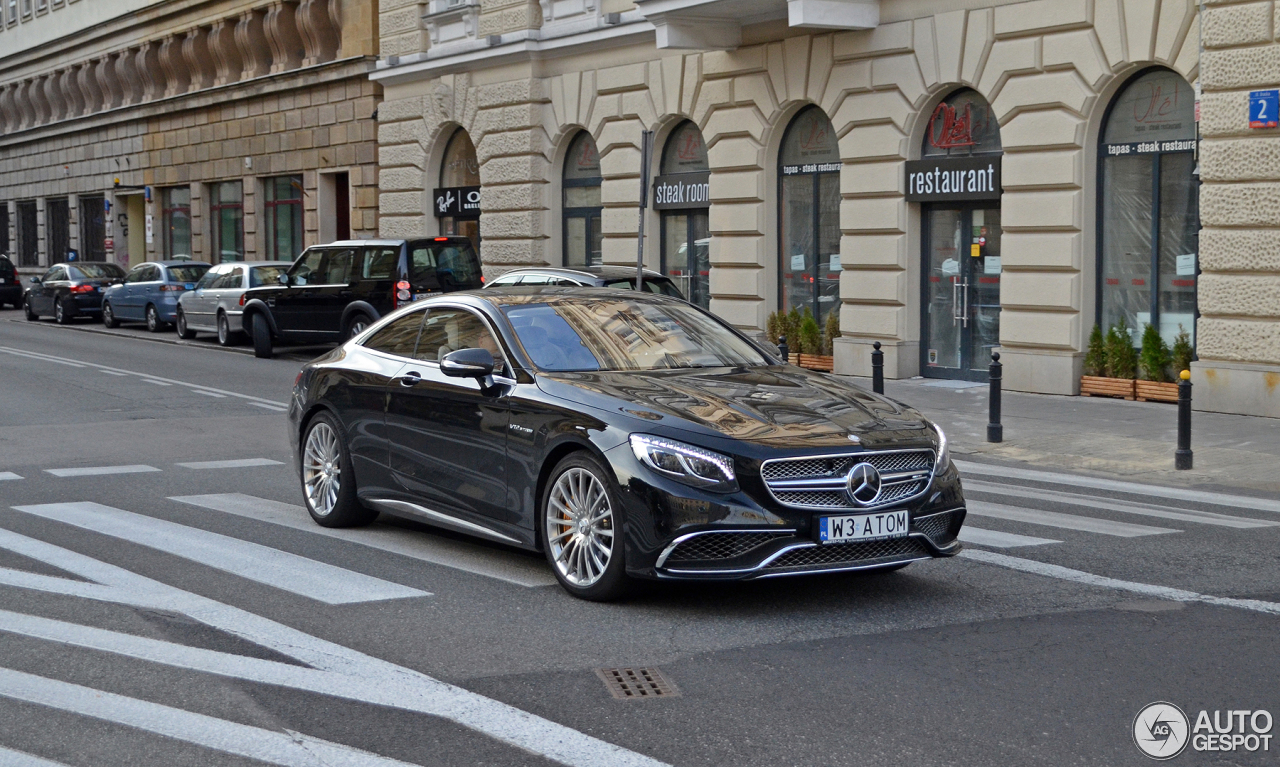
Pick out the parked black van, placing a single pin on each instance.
(334, 291)
(10, 287)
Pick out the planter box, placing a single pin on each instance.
(1097, 386)
(815, 362)
(1157, 391)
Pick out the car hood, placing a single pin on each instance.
(778, 406)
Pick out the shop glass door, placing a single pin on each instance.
(685, 258)
(962, 291)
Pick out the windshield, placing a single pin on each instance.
(187, 273)
(266, 275)
(450, 264)
(611, 334)
(84, 271)
(651, 285)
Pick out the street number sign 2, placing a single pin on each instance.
(1264, 109)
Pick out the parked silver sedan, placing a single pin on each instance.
(216, 303)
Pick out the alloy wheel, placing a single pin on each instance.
(580, 527)
(224, 333)
(153, 319)
(322, 469)
(59, 313)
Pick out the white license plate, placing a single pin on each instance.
(864, 527)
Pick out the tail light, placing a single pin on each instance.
(442, 239)
(242, 297)
(171, 288)
(401, 294)
(82, 288)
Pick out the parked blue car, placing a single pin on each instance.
(149, 293)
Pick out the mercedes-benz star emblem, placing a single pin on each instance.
(863, 484)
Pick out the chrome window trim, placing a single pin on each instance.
(888, 479)
(662, 558)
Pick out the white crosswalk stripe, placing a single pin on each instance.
(479, 559)
(280, 569)
(8, 475)
(11, 758)
(998, 540)
(1065, 521)
(236, 463)
(95, 471)
(1127, 507)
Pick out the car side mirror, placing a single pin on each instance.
(283, 279)
(467, 363)
(35, 280)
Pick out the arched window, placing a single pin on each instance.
(458, 196)
(681, 194)
(809, 214)
(582, 236)
(1149, 207)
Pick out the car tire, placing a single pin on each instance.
(109, 315)
(355, 326)
(226, 336)
(328, 481)
(261, 337)
(574, 555)
(184, 332)
(26, 309)
(61, 313)
(153, 319)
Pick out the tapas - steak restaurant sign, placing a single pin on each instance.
(682, 190)
(953, 179)
(457, 201)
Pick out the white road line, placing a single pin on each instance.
(208, 393)
(122, 372)
(41, 358)
(999, 540)
(157, 383)
(1065, 521)
(499, 564)
(1075, 480)
(289, 749)
(95, 471)
(280, 569)
(352, 674)
(275, 408)
(237, 463)
(1079, 576)
(8, 475)
(1126, 507)
(12, 758)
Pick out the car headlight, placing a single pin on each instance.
(943, 459)
(691, 465)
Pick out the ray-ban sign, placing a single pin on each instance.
(457, 201)
(953, 179)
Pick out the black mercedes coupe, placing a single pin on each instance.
(624, 435)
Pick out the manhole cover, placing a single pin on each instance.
(637, 683)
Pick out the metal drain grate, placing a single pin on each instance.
(637, 683)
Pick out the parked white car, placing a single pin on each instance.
(216, 304)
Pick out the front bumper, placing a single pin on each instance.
(679, 532)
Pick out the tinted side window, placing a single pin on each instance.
(210, 277)
(150, 274)
(400, 337)
(458, 268)
(50, 275)
(307, 270)
(448, 330)
(265, 275)
(338, 268)
(228, 281)
(380, 263)
(135, 274)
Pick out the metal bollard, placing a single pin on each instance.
(995, 431)
(1182, 459)
(877, 369)
(782, 348)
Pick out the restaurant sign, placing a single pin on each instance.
(682, 190)
(953, 179)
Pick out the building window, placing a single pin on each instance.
(458, 198)
(686, 234)
(1149, 216)
(4, 228)
(93, 228)
(175, 215)
(57, 228)
(284, 218)
(28, 242)
(226, 213)
(26, 7)
(809, 214)
(582, 235)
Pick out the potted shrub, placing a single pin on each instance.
(812, 344)
(1182, 352)
(1154, 383)
(1105, 357)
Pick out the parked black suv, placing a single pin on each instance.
(332, 292)
(10, 287)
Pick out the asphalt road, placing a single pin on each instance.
(160, 606)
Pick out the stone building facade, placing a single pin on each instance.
(1055, 84)
(1239, 366)
(223, 130)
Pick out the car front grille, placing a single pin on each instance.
(818, 482)
(712, 546)
(848, 554)
(942, 528)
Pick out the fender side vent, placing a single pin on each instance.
(637, 683)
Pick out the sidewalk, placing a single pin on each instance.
(1135, 440)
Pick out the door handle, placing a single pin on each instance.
(965, 305)
(409, 379)
(955, 300)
